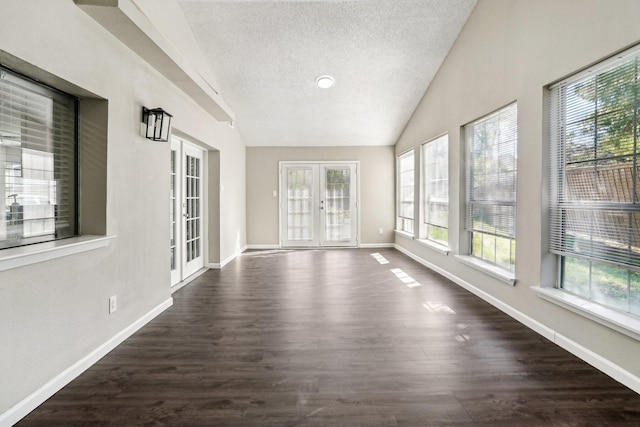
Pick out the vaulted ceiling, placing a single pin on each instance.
(267, 54)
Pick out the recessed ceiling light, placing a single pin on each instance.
(324, 82)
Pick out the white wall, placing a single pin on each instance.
(510, 50)
(54, 313)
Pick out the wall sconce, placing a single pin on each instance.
(156, 123)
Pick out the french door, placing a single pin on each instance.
(186, 209)
(319, 204)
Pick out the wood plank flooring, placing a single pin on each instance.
(335, 338)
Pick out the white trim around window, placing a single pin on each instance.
(32, 254)
(405, 221)
(491, 180)
(434, 230)
(594, 178)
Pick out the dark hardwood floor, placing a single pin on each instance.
(335, 338)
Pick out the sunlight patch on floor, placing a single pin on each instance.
(380, 258)
(405, 278)
(437, 307)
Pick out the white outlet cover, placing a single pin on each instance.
(113, 304)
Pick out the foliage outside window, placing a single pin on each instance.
(37, 162)
(595, 183)
(491, 186)
(406, 169)
(435, 166)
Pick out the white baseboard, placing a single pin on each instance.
(361, 245)
(599, 362)
(376, 245)
(614, 371)
(220, 265)
(263, 247)
(35, 399)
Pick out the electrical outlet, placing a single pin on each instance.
(275, 193)
(380, 231)
(113, 304)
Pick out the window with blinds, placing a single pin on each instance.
(435, 169)
(406, 169)
(595, 183)
(491, 159)
(37, 162)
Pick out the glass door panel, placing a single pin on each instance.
(186, 210)
(300, 217)
(175, 214)
(338, 205)
(192, 208)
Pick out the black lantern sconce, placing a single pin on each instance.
(156, 124)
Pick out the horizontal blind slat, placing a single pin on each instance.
(595, 175)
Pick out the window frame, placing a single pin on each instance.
(507, 273)
(405, 224)
(562, 199)
(71, 147)
(426, 168)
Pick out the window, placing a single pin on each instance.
(435, 166)
(595, 182)
(37, 162)
(406, 167)
(491, 187)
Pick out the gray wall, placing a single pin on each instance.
(54, 313)
(376, 189)
(510, 50)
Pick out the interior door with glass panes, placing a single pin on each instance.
(318, 204)
(186, 209)
(338, 205)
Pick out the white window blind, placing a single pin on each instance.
(37, 162)
(406, 169)
(595, 176)
(435, 157)
(491, 160)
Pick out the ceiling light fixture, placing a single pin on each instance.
(324, 82)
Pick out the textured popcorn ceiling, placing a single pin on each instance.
(267, 54)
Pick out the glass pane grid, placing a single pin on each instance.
(192, 204)
(337, 206)
(300, 214)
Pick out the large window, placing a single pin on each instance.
(435, 167)
(492, 143)
(406, 168)
(595, 182)
(37, 162)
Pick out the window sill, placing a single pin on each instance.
(404, 234)
(40, 252)
(624, 323)
(496, 272)
(434, 246)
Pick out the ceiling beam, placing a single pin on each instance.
(130, 25)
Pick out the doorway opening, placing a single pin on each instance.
(187, 201)
(319, 204)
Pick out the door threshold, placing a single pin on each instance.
(175, 288)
